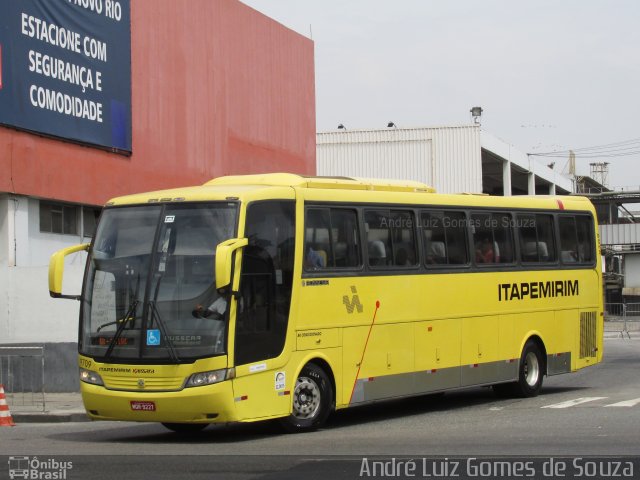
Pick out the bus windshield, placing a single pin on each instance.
(150, 289)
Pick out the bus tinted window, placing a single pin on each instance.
(586, 244)
(331, 239)
(568, 239)
(492, 237)
(391, 238)
(445, 238)
(265, 281)
(576, 239)
(344, 238)
(536, 238)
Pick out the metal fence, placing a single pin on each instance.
(624, 313)
(22, 375)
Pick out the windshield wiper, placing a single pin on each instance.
(168, 343)
(155, 315)
(121, 324)
(117, 322)
(129, 316)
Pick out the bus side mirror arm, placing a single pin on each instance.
(225, 265)
(56, 270)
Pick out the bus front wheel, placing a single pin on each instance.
(530, 374)
(312, 400)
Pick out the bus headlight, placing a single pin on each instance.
(207, 378)
(88, 376)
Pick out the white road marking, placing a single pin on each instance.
(573, 403)
(626, 403)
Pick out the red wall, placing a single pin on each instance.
(217, 88)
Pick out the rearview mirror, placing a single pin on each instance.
(224, 256)
(56, 270)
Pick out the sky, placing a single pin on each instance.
(549, 75)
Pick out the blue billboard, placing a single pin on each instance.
(65, 69)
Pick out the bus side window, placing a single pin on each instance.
(568, 239)
(391, 238)
(331, 239)
(403, 239)
(345, 244)
(503, 237)
(546, 238)
(492, 237)
(486, 249)
(456, 230)
(586, 243)
(444, 235)
(378, 237)
(536, 238)
(577, 241)
(433, 233)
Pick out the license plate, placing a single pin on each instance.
(143, 406)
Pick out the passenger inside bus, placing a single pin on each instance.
(484, 251)
(315, 259)
(216, 310)
(377, 253)
(436, 253)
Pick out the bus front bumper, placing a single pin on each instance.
(206, 404)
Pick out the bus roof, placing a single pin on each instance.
(284, 185)
(303, 181)
(242, 185)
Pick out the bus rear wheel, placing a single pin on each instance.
(312, 400)
(530, 374)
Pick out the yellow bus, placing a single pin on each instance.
(282, 296)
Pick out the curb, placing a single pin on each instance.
(45, 417)
(619, 334)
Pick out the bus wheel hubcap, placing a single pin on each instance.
(531, 369)
(306, 398)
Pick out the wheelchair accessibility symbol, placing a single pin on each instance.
(153, 337)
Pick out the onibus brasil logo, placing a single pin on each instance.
(38, 469)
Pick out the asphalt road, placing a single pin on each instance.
(594, 412)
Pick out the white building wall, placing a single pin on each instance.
(457, 159)
(42, 245)
(27, 313)
(4, 230)
(632, 271)
(19, 211)
(447, 158)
